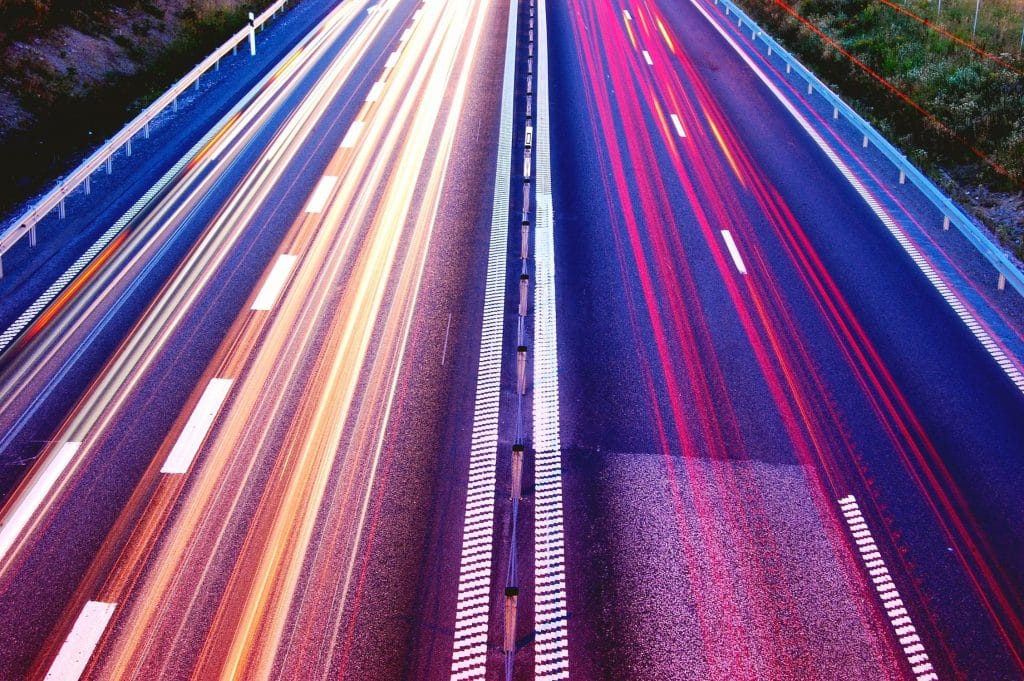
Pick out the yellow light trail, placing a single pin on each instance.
(336, 336)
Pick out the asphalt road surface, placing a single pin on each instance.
(771, 414)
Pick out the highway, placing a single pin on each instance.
(772, 422)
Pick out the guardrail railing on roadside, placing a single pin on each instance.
(103, 156)
(952, 214)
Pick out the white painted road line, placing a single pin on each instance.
(197, 427)
(733, 251)
(647, 58)
(375, 91)
(27, 505)
(1009, 366)
(473, 599)
(392, 60)
(679, 125)
(81, 642)
(898, 616)
(275, 282)
(551, 642)
(405, 35)
(352, 135)
(625, 13)
(320, 195)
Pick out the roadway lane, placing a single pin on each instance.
(742, 345)
(360, 248)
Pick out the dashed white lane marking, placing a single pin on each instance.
(679, 125)
(469, 649)
(27, 504)
(352, 135)
(627, 15)
(375, 91)
(405, 35)
(647, 58)
(392, 60)
(267, 296)
(81, 642)
(197, 427)
(318, 199)
(898, 616)
(551, 644)
(1008, 365)
(733, 251)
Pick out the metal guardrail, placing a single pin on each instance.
(27, 221)
(952, 214)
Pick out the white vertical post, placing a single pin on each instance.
(88, 185)
(1002, 282)
(977, 10)
(903, 177)
(945, 223)
(110, 164)
(252, 34)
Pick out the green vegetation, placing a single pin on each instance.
(979, 100)
(65, 118)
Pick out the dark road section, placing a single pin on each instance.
(716, 404)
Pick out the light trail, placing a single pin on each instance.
(112, 273)
(274, 506)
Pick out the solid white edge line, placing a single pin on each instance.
(27, 505)
(352, 135)
(551, 642)
(473, 598)
(80, 644)
(318, 199)
(1012, 371)
(733, 251)
(271, 289)
(882, 583)
(197, 427)
(679, 125)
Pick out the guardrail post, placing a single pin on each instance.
(32, 236)
(517, 471)
(524, 242)
(521, 370)
(60, 212)
(88, 185)
(789, 67)
(1, 267)
(810, 87)
(145, 130)
(252, 34)
(903, 176)
(174, 103)
(945, 223)
(128, 147)
(835, 113)
(865, 144)
(110, 164)
(511, 596)
(769, 50)
(524, 293)
(1002, 282)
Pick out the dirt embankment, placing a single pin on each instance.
(72, 73)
